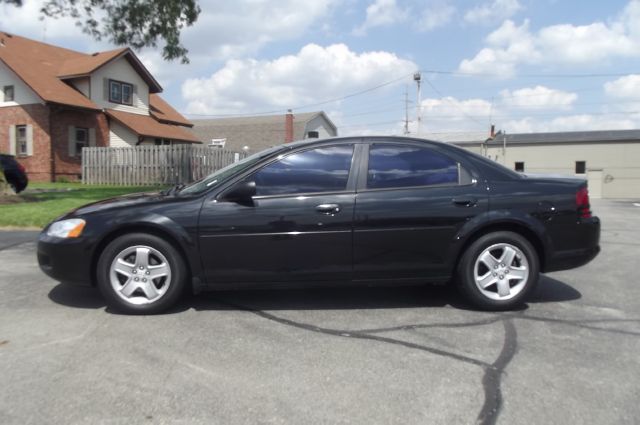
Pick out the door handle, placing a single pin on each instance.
(328, 208)
(464, 202)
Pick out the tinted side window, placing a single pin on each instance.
(406, 166)
(323, 169)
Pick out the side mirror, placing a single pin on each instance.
(242, 192)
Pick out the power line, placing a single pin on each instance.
(311, 105)
(486, 74)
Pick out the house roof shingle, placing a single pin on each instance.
(145, 125)
(257, 132)
(86, 64)
(37, 64)
(43, 67)
(162, 111)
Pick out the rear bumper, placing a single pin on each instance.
(65, 260)
(588, 233)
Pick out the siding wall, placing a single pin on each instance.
(83, 85)
(120, 70)
(120, 136)
(23, 95)
(320, 125)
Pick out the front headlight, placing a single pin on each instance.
(71, 228)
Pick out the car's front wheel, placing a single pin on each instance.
(140, 273)
(498, 271)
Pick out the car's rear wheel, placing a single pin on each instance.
(141, 274)
(498, 271)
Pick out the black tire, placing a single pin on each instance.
(176, 284)
(519, 289)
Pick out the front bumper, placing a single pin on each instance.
(65, 260)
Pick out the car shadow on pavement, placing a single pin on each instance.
(333, 298)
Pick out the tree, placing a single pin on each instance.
(135, 23)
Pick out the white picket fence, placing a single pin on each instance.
(152, 165)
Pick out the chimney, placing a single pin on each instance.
(288, 127)
(493, 131)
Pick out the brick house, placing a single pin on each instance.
(55, 101)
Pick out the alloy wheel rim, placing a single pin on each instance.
(140, 275)
(501, 271)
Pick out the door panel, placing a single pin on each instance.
(298, 227)
(411, 204)
(277, 239)
(406, 233)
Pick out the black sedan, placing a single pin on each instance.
(369, 210)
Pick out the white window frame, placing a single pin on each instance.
(22, 143)
(11, 88)
(120, 98)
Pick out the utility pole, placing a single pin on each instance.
(406, 111)
(417, 77)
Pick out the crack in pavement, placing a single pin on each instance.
(493, 376)
(493, 372)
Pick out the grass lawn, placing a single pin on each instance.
(44, 202)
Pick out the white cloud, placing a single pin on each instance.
(314, 74)
(230, 29)
(624, 87)
(538, 97)
(24, 21)
(528, 109)
(575, 122)
(450, 108)
(434, 16)
(511, 45)
(490, 12)
(424, 15)
(381, 13)
(224, 29)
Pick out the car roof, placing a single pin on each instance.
(312, 142)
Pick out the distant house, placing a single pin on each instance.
(55, 101)
(260, 132)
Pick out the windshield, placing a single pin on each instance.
(222, 174)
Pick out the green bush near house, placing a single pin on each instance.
(44, 202)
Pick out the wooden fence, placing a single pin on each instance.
(151, 165)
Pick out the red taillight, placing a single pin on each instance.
(582, 202)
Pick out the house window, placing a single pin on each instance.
(313, 135)
(81, 139)
(120, 92)
(519, 166)
(162, 142)
(21, 140)
(581, 167)
(8, 93)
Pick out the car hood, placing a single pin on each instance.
(125, 201)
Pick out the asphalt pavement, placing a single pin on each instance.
(328, 356)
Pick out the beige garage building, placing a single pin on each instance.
(609, 160)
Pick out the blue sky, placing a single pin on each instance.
(524, 65)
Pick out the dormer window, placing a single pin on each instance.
(120, 92)
(8, 93)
